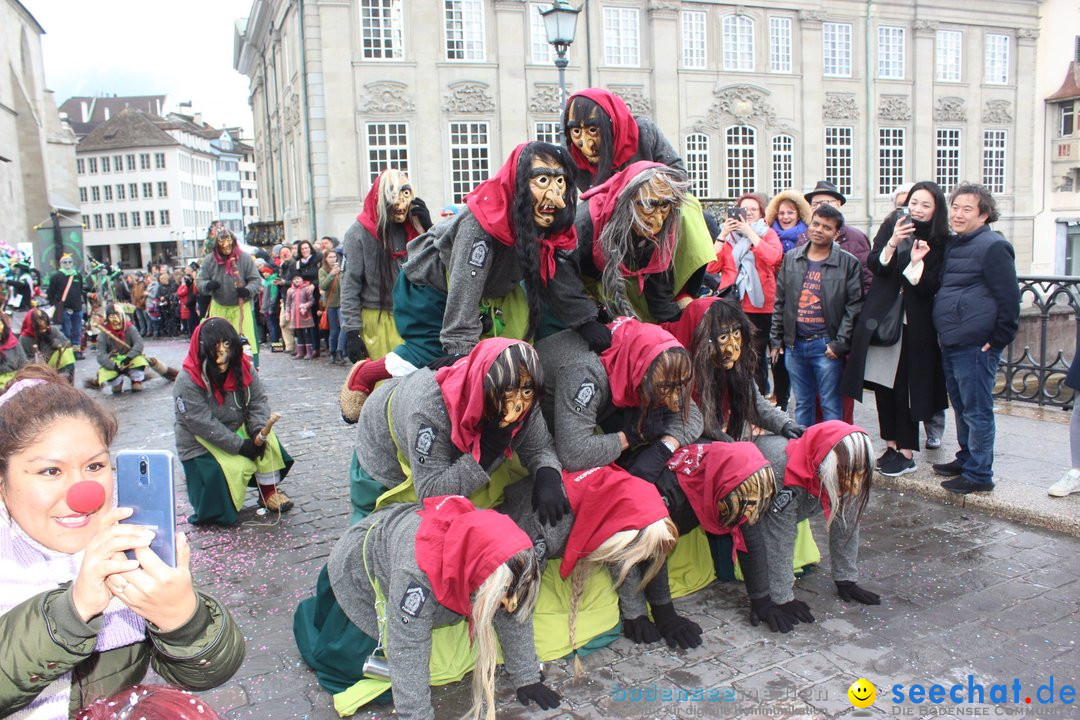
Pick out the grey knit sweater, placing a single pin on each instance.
(107, 347)
(197, 413)
(577, 397)
(421, 427)
(391, 558)
(225, 293)
(47, 345)
(361, 283)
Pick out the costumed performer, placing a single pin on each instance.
(232, 281)
(41, 339)
(119, 353)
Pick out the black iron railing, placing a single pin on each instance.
(1034, 367)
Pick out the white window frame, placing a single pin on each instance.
(542, 53)
(783, 162)
(110, 221)
(1068, 110)
(547, 131)
(698, 163)
(620, 51)
(740, 160)
(123, 220)
(382, 30)
(949, 56)
(892, 148)
(385, 148)
(83, 197)
(469, 162)
(839, 158)
(948, 144)
(891, 52)
(106, 164)
(738, 43)
(463, 29)
(694, 39)
(80, 166)
(996, 59)
(121, 193)
(779, 44)
(95, 194)
(994, 159)
(159, 161)
(836, 49)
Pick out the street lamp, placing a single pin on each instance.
(560, 23)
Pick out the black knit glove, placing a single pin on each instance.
(441, 362)
(654, 426)
(797, 611)
(355, 347)
(210, 286)
(540, 694)
(243, 293)
(640, 630)
(764, 610)
(252, 451)
(595, 335)
(493, 443)
(850, 592)
(792, 430)
(651, 461)
(677, 630)
(549, 496)
(419, 210)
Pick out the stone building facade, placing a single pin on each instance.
(756, 96)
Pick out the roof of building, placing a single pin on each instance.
(1070, 89)
(85, 113)
(130, 128)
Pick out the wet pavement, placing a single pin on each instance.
(963, 593)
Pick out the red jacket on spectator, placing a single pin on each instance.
(768, 255)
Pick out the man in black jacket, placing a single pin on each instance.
(818, 298)
(65, 294)
(976, 315)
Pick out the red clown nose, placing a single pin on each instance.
(86, 496)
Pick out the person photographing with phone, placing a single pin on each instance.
(89, 620)
(894, 349)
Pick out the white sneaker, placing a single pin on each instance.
(1068, 484)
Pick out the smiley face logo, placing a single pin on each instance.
(862, 693)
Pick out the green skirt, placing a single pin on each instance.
(105, 376)
(217, 480)
(379, 332)
(242, 318)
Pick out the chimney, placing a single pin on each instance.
(106, 108)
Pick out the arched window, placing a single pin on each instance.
(738, 32)
(741, 159)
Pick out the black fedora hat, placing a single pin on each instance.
(825, 188)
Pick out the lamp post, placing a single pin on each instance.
(560, 23)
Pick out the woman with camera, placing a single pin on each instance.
(894, 349)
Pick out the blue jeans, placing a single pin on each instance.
(814, 375)
(336, 343)
(71, 326)
(969, 377)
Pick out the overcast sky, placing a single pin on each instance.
(146, 47)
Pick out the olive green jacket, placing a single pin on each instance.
(44, 637)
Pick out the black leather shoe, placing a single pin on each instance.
(962, 486)
(953, 468)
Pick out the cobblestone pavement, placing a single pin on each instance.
(962, 593)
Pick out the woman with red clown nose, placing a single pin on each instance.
(89, 621)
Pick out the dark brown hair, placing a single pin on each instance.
(26, 414)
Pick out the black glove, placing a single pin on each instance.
(493, 443)
(797, 611)
(444, 361)
(765, 610)
(849, 592)
(679, 631)
(710, 283)
(792, 430)
(419, 210)
(210, 286)
(640, 630)
(654, 426)
(355, 347)
(540, 694)
(252, 451)
(595, 335)
(243, 293)
(549, 496)
(651, 466)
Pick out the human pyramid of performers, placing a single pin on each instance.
(557, 434)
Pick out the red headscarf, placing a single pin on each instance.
(606, 500)
(492, 204)
(692, 315)
(709, 472)
(458, 547)
(28, 327)
(12, 338)
(232, 258)
(634, 346)
(193, 367)
(602, 202)
(369, 217)
(624, 129)
(462, 386)
(806, 453)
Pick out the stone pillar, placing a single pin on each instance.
(1020, 153)
(920, 146)
(808, 50)
(662, 20)
(509, 49)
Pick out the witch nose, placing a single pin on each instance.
(555, 198)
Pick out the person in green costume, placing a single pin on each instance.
(232, 281)
(119, 353)
(44, 343)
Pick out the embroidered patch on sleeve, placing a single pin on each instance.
(180, 406)
(412, 602)
(478, 254)
(584, 395)
(782, 499)
(425, 438)
(540, 547)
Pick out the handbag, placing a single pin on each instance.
(324, 318)
(887, 330)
